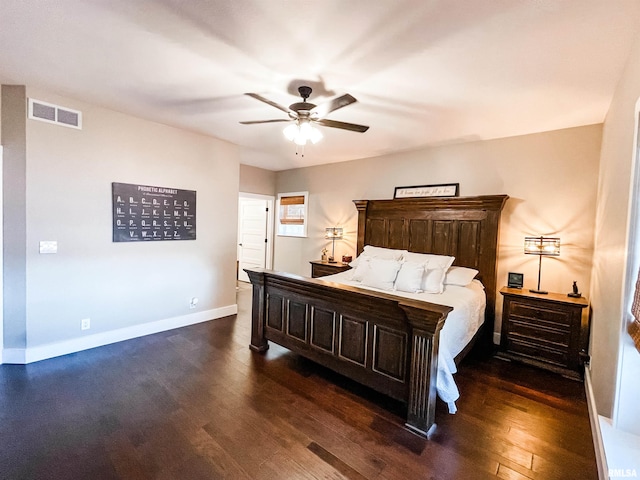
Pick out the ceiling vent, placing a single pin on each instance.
(50, 113)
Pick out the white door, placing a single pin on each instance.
(252, 235)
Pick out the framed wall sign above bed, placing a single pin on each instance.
(425, 191)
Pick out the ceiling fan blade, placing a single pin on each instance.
(268, 102)
(251, 122)
(345, 126)
(326, 108)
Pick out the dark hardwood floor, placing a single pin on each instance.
(196, 403)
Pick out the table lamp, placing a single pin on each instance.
(541, 246)
(334, 233)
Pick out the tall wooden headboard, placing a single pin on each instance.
(466, 228)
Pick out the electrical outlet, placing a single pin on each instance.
(193, 302)
(85, 324)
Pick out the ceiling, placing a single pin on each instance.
(425, 72)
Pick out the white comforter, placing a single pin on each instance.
(462, 323)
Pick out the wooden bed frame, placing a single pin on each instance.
(386, 342)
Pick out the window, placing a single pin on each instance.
(292, 214)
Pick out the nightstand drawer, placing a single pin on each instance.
(322, 269)
(538, 352)
(540, 334)
(539, 312)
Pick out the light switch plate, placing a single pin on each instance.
(48, 246)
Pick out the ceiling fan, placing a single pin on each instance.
(304, 114)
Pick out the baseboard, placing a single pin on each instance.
(43, 352)
(596, 432)
(13, 355)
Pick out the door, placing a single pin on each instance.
(252, 235)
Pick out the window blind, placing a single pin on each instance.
(634, 327)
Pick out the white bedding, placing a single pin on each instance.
(462, 323)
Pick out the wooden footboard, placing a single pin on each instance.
(383, 341)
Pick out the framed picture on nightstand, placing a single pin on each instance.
(515, 280)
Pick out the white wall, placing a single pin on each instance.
(122, 285)
(551, 179)
(611, 257)
(626, 411)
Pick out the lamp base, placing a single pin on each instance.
(533, 290)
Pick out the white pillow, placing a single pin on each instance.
(409, 277)
(360, 268)
(435, 270)
(433, 280)
(439, 261)
(381, 273)
(378, 252)
(356, 261)
(460, 276)
(386, 253)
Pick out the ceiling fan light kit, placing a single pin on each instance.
(302, 132)
(304, 114)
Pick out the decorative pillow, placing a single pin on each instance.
(435, 261)
(409, 277)
(360, 268)
(460, 276)
(381, 273)
(386, 253)
(378, 252)
(433, 280)
(435, 270)
(356, 261)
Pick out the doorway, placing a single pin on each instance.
(255, 233)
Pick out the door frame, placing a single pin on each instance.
(1, 259)
(270, 199)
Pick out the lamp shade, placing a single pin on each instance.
(334, 233)
(291, 132)
(542, 246)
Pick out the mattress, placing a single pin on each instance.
(461, 325)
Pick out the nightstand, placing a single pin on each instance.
(549, 331)
(322, 269)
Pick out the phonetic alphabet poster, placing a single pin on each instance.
(142, 213)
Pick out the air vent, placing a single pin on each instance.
(47, 112)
